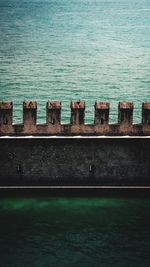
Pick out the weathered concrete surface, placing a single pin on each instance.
(77, 125)
(75, 161)
(73, 130)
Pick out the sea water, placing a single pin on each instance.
(75, 49)
(64, 50)
(75, 232)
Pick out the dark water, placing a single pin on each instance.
(75, 232)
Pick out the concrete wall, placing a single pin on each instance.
(75, 161)
(66, 160)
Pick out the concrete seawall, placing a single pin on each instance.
(75, 161)
(74, 154)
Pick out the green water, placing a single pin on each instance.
(48, 232)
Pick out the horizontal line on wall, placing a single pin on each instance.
(74, 137)
(75, 187)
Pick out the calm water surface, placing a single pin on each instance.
(75, 49)
(75, 232)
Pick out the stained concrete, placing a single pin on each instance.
(75, 161)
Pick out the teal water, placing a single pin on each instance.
(75, 49)
(70, 232)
